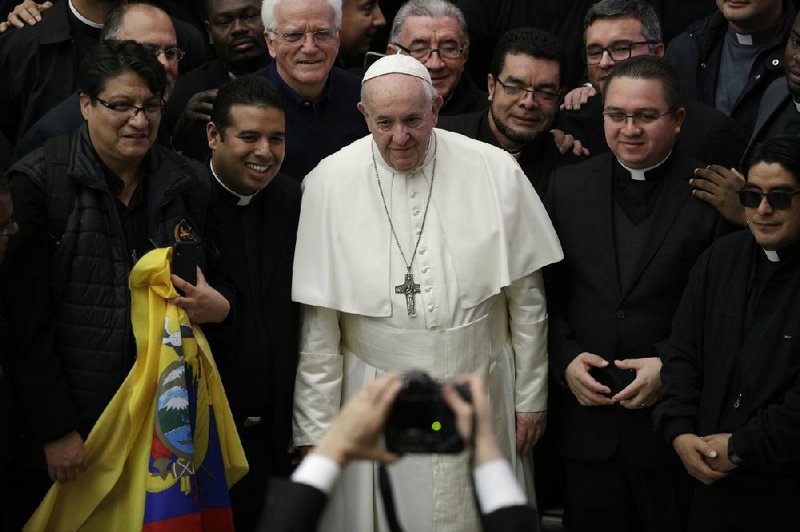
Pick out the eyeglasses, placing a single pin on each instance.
(318, 36)
(423, 52)
(641, 118)
(6, 229)
(618, 51)
(150, 110)
(538, 95)
(170, 54)
(779, 200)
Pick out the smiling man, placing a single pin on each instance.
(630, 230)
(253, 217)
(421, 249)
(731, 392)
(524, 89)
(321, 115)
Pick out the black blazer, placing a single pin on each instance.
(590, 311)
(707, 134)
(296, 507)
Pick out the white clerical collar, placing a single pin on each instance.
(772, 255)
(638, 174)
(243, 200)
(83, 19)
(383, 164)
(796, 104)
(745, 39)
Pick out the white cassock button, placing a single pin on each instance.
(422, 251)
(414, 193)
(431, 308)
(416, 212)
(428, 289)
(426, 269)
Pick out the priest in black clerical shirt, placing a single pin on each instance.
(253, 218)
(731, 407)
(631, 230)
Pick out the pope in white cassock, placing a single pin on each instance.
(420, 249)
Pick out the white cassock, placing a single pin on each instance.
(481, 309)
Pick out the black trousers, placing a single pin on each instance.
(743, 503)
(615, 496)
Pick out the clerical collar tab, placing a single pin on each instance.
(772, 255)
(242, 200)
(796, 105)
(639, 174)
(744, 39)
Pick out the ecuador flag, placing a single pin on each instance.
(165, 451)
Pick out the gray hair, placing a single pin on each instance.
(270, 20)
(637, 9)
(428, 8)
(427, 89)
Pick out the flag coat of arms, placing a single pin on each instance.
(165, 451)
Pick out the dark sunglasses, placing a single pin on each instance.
(778, 199)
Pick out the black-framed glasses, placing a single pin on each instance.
(423, 52)
(538, 95)
(779, 200)
(150, 110)
(640, 117)
(617, 50)
(170, 54)
(318, 36)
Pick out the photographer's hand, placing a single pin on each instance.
(355, 432)
(486, 448)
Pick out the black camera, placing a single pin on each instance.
(420, 421)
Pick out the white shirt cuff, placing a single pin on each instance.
(318, 472)
(496, 486)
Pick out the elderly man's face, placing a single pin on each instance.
(646, 137)
(249, 153)
(236, 31)
(152, 28)
(425, 34)
(622, 34)
(773, 228)
(306, 62)
(516, 115)
(361, 19)
(119, 131)
(400, 118)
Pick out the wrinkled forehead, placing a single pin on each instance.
(431, 29)
(623, 89)
(604, 31)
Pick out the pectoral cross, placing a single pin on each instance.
(409, 288)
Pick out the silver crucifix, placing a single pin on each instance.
(409, 288)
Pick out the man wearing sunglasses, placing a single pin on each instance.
(630, 230)
(731, 407)
(434, 32)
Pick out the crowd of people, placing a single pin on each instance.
(587, 207)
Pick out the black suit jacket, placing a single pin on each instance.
(590, 311)
(707, 134)
(296, 507)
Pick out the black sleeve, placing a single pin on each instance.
(292, 507)
(45, 401)
(520, 518)
(681, 372)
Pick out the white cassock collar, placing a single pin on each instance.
(639, 174)
(242, 200)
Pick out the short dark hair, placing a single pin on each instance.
(783, 150)
(247, 90)
(111, 58)
(525, 41)
(650, 67)
(641, 11)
